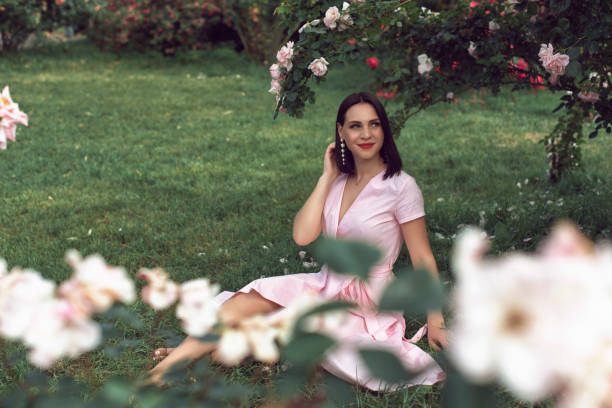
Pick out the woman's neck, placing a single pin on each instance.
(365, 170)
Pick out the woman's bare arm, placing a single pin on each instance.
(307, 222)
(415, 235)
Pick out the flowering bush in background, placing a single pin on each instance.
(19, 19)
(10, 117)
(467, 45)
(149, 24)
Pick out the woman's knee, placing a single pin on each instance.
(244, 305)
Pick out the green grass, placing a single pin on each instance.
(177, 163)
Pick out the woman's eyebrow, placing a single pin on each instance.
(370, 120)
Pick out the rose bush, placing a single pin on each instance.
(149, 24)
(560, 45)
(19, 19)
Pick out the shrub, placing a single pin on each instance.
(18, 20)
(152, 24)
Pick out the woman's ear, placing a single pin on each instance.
(339, 128)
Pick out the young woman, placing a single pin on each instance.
(362, 194)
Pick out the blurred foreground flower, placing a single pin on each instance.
(95, 286)
(535, 321)
(10, 117)
(198, 307)
(161, 292)
(260, 335)
(57, 323)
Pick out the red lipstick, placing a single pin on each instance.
(366, 145)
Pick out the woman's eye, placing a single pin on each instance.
(375, 124)
(354, 126)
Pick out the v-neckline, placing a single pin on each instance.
(354, 201)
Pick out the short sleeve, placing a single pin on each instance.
(410, 204)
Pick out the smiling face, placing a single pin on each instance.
(362, 132)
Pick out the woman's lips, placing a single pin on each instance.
(366, 145)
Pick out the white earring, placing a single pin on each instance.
(342, 151)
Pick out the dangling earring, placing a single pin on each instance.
(342, 152)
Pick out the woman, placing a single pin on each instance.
(362, 194)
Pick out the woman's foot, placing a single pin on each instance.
(161, 353)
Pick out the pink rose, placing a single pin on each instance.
(553, 63)
(275, 72)
(588, 96)
(284, 55)
(318, 66)
(546, 53)
(275, 87)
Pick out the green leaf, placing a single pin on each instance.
(230, 392)
(559, 5)
(116, 392)
(574, 69)
(414, 292)
(573, 52)
(347, 257)
(385, 366)
(339, 392)
(307, 349)
(459, 393)
(208, 338)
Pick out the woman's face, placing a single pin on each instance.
(362, 132)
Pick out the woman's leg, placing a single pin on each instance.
(240, 306)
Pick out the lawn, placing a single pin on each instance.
(178, 163)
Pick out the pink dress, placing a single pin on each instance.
(374, 217)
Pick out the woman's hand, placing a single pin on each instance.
(436, 331)
(330, 168)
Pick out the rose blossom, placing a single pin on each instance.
(588, 96)
(472, 48)
(57, 331)
(318, 66)
(553, 63)
(284, 56)
(275, 87)
(425, 64)
(331, 16)
(198, 307)
(161, 292)
(21, 293)
(275, 72)
(233, 347)
(10, 117)
(372, 62)
(515, 316)
(94, 285)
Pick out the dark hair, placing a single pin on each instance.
(388, 151)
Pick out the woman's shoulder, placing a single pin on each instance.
(401, 181)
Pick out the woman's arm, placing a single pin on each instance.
(415, 235)
(307, 222)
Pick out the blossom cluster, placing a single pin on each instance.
(56, 322)
(278, 71)
(333, 19)
(260, 335)
(535, 322)
(554, 64)
(10, 117)
(199, 311)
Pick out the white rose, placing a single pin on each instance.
(318, 66)
(425, 64)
